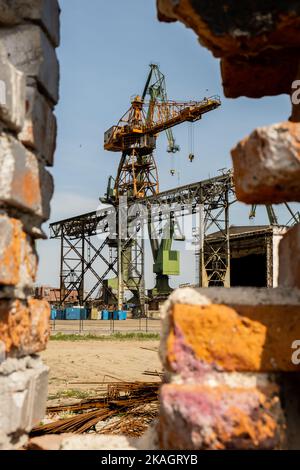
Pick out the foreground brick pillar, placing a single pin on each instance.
(258, 42)
(267, 165)
(227, 354)
(233, 383)
(29, 33)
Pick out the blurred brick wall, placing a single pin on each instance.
(29, 76)
(231, 380)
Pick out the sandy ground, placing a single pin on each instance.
(96, 361)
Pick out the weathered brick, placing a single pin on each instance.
(258, 42)
(234, 28)
(18, 259)
(272, 73)
(24, 326)
(195, 417)
(12, 94)
(23, 395)
(39, 131)
(24, 182)
(267, 165)
(248, 330)
(29, 33)
(30, 50)
(45, 12)
(289, 258)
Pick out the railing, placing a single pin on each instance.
(105, 327)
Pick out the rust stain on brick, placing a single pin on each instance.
(30, 186)
(202, 417)
(16, 253)
(29, 134)
(243, 427)
(40, 319)
(24, 326)
(10, 255)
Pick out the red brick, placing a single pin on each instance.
(230, 29)
(271, 72)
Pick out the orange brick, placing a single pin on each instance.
(18, 260)
(24, 326)
(232, 338)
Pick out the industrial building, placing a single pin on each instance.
(52, 295)
(253, 254)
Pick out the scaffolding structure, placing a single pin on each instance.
(98, 236)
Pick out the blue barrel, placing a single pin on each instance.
(84, 314)
(72, 314)
(122, 315)
(60, 315)
(116, 315)
(76, 313)
(53, 314)
(105, 315)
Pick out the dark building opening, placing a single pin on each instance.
(249, 271)
(253, 254)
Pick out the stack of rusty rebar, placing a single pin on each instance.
(123, 408)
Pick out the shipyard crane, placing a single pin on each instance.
(135, 137)
(136, 134)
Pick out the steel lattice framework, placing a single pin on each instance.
(93, 237)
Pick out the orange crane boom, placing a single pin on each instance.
(172, 113)
(163, 116)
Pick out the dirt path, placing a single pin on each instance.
(91, 361)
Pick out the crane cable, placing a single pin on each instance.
(191, 138)
(172, 167)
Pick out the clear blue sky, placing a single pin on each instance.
(105, 51)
